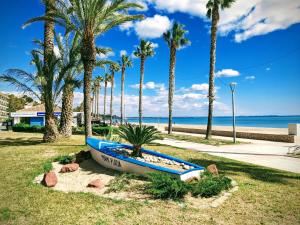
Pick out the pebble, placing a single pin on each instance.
(186, 167)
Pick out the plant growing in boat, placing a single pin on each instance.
(138, 136)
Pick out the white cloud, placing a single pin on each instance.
(200, 87)
(123, 52)
(268, 69)
(105, 56)
(152, 27)
(245, 18)
(250, 77)
(154, 45)
(126, 26)
(227, 73)
(150, 86)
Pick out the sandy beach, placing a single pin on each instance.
(264, 130)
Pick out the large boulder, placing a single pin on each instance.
(69, 168)
(49, 179)
(82, 155)
(96, 184)
(213, 169)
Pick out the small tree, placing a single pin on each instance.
(138, 136)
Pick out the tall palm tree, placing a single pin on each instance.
(124, 63)
(91, 18)
(70, 60)
(213, 8)
(114, 67)
(51, 131)
(144, 50)
(175, 39)
(107, 79)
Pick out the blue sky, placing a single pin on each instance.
(258, 47)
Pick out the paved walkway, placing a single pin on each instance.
(264, 153)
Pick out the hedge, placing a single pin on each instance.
(99, 130)
(21, 127)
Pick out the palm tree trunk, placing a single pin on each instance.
(122, 94)
(98, 97)
(141, 90)
(51, 131)
(67, 111)
(104, 106)
(93, 102)
(88, 55)
(171, 86)
(211, 90)
(48, 31)
(112, 96)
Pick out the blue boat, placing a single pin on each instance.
(106, 154)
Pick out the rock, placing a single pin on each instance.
(49, 179)
(186, 167)
(69, 167)
(96, 184)
(82, 155)
(213, 169)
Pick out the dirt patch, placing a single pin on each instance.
(89, 170)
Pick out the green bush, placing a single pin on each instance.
(64, 159)
(77, 130)
(164, 186)
(99, 130)
(47, 167)
(210, 186)
(119, 183)
(21, 127)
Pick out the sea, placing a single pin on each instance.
(243, 121)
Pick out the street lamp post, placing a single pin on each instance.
(232, 86)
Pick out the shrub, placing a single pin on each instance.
(77, 130)
(164, 186)
(210, 186)
(47, 167)
(138, 136)
(22, 127)
(103, 131)
(118, 183)
(64, 159)
(99, 130)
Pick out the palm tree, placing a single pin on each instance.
(124, 63)
(51, 131)
(175, 39)
(90, 18)
(213, 8)
(40, 84)
(98, 80)
(107, 78)
(70, 60)
(114, 67)
(138, 136)
(144, 50)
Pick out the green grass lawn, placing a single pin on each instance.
(266, 196)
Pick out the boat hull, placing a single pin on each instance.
(121, 163)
